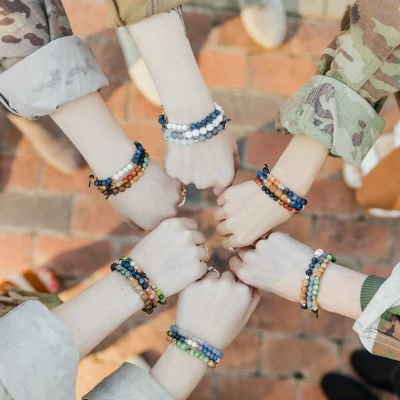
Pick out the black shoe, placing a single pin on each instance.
(340, 387)
(374, 370)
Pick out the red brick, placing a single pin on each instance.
(346, 351)
(332, 197)
(278, 74)
(203, 390)
(222, 70)
(116, 97)
(299, 228)
(276, 314)
(313, 37)
(13, 137)
(241, 354)
(19, 171)
(357, 239)
(332, 168)
(99, 216)
(383, 270)
(15, 253)
(142, 108)
(311, 390)
(70, 256)
(87, 17)
(198, 27)
(239, 388)
(109, 57)
(329, 325)
(57, 182)
(265, 148)
(149, 135)
(396, 240)
(288, 356)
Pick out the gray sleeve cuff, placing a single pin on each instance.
(38, 359)
(59, 72)
(127, 383)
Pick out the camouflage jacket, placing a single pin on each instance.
(360, 68)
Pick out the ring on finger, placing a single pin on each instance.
(184, 191)
(212, 269)
(207, 256)
(227, 245)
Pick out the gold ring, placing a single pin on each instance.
(227, 245)
(212, 269)
(207, 256)
(184, 191)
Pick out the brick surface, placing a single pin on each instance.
(239, 388)
(203, 390)
(72, 256)
(142, 108)
(357, 239)
(332, 197)
(265, 317)
(279, 75)
(116, 99)
(27, 211)
(19, 171)
(299, 228)
(313, 37)
(248, 347)
(15, 253)
(289, 356)
(330, 325)
(346, 351)
(198, 27)
(311, 390)
(222, 70)
(11, 137)
(265, 148)
(383, 270)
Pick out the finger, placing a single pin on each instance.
(219, 214)
(253, 304)
(243, 251)
(235, 264)
(221, 199)
(198, 237)
(189, 223)
(233, 242)
(201, 271)
(219, 190)
(228, 276)
(236, 159)
(222, 229)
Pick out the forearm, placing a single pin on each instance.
(94, 131)
(93, 314)
(166, 50)
(300, 163)
(178, 372)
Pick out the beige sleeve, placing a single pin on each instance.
(128, 12)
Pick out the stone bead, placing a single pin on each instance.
(278, 192)
(273, 188)
(210, 127)
(203, 131)
(318, 274)
(303, 296)
(305, 282)
(202, 138)
(209, 135)
(195, 132)
(319, 252)
(304, 289)
(268, 184)
(188, 134)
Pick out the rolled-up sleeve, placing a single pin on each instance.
(38, 359)
(42, 65)
(339, 106)
(128, 382)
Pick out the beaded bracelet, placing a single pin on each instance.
(145, 288)
(196, 132)
(276, 191)
(310, 284)
(194, 346)
(124, 178)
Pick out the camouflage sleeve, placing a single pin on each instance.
(339, 106)
(42, 64)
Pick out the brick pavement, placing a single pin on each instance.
(52, 220)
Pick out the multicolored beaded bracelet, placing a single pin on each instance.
(189, 134)
(145, 288)
(193, 347)
(278, 192)
(310, 284)
(124, 178)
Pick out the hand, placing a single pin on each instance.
(208, 164)
(171, 255)
(151, 200)
(246, 214)
(216, 310)
(276, 265)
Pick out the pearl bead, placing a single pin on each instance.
(210, 127)
(185, 127)
(179, 127)
(189, 342)
(168, 132)
(177, 141)
(215, 123)
(203, 131)
(116, 176)
(171, 140)
(120, 173)
(196, 132)
(190, 141)
(319, 252)
(169, 126)
(220, 118)
(184, 141)
(125, 170)
(188, 134)
(174, 126)
(130, 166)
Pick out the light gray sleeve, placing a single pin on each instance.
(38, 359)
(127, 383)
(61, 71)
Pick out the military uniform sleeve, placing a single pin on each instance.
(339, 106)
